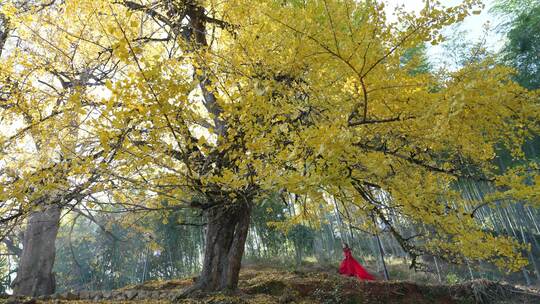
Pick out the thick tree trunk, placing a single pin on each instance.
(34, 275)
(226, 235)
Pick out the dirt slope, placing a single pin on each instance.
(278, 286)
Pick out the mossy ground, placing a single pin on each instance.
(266, 285)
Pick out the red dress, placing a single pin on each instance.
(351, 267)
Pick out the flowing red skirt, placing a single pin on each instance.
(351, 267)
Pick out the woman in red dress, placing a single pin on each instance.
(351, 267)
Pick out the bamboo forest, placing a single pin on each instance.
(269, 151)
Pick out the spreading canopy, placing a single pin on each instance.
(210, 103)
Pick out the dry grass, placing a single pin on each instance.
(310, 284)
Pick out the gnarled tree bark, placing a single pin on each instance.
(226, 235)
(34, 275)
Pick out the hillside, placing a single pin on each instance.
(279, 286)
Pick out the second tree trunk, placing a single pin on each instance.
(35, 276)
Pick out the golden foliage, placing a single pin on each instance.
(311, 98)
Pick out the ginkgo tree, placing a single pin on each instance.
(215, 104)
(43, 140)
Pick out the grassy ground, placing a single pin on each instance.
(269, 285)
